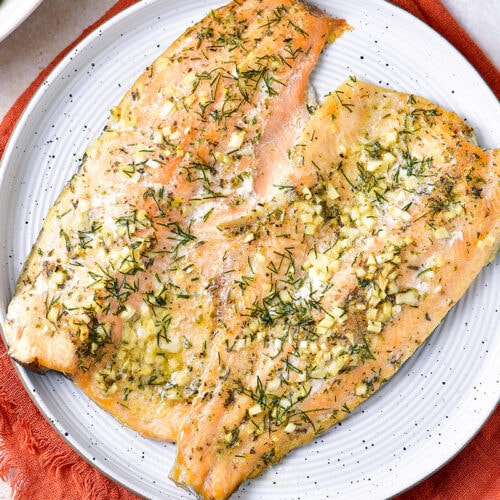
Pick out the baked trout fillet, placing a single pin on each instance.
(117, 292)
(395, 213)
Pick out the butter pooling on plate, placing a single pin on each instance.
(279, 289)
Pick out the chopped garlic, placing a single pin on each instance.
(441, 233)
(236, 140)
(410, 297)
(331, 192)
(166, 108)
(361, 389)
(254, 410)
(489, 241)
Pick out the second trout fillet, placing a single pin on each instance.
(116, 292)
(401, 212)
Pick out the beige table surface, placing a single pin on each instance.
(56, 23)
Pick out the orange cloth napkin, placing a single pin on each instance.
(40, 465)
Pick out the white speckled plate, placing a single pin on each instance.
(13, 13)
(419, 419)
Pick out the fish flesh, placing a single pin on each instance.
(392, 213)
(118, 291)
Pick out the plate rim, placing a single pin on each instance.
(6, 29)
